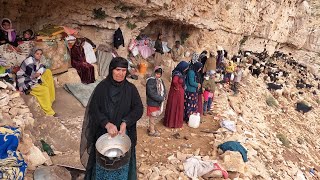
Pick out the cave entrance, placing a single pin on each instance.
(171, 31)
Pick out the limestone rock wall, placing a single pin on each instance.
(245, 24)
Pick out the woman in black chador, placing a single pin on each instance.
(114, 107)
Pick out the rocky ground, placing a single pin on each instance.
(282, 143)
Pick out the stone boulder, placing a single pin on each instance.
(25, 144)
(71, 76)
(4, 99)
(3, 85)
(51, 173)
(232, 161)
(34, 158)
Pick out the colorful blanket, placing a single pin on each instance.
(12, 165)
(55, 55)
(14, 58)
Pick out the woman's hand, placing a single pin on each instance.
(123, 128)
(199, 85)
(36, 75)
(112, 129)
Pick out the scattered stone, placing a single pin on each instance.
(13, 112)
(71, 76)
(48, 161)
(197, 152)
(3, 85)
(15, 95)
(181, 156)
(232, 161)
(51, 173)
(23, 111)
(4, 99)
(34, 158)
(193, 134)
(25, 144)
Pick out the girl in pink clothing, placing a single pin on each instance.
(208, 94)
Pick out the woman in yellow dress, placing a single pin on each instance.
(33, 78)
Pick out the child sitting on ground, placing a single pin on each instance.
(209, 86)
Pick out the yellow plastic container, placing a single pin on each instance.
(143, 68)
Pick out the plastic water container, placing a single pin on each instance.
(194, 120)
(143, 68)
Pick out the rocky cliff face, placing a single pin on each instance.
(253, 24)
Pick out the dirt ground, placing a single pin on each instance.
(150, 150)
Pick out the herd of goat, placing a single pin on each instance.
(276, 77)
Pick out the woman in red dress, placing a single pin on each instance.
(78, 61)
(173, 117)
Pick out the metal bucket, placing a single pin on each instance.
(113, 152)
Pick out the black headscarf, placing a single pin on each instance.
(196, 67)
(113, 102)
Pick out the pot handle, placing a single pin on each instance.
(104, 159)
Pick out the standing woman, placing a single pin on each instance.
(191, 94)
(173, 117)
(114, 108)
(35, 79)
(78, 61)
(159, 51)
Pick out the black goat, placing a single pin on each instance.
(273, 86)
(309, 86)
(301, 107)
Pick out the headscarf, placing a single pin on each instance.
(10, 31)
(158, 37)
(211, 72)
(195, 58)
(117, 62)
(183, 65)
(203, 54)
(158, 69)
(31, 34)
(196, 66)
(33, 51)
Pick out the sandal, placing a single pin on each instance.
(154, 134)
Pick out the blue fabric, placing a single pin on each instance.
(180, 68)
(191, 82)
(128, 171)
(196, 66)
(11, 160)
(118, 174)
(190, 104)
(234, 146)
(133, 165)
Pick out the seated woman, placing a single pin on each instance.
(35, 79)
(78, 61)
(7, 34)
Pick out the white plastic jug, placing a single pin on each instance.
(194, 120)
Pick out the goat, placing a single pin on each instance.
(301, 107)
(273, 86)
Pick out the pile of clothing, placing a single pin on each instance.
(145, 47)
(12, 164)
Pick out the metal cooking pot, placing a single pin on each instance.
(113, 152)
